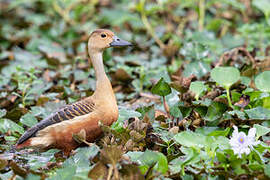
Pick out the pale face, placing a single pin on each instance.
(101, 39)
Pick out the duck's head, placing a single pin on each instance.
(101, 39)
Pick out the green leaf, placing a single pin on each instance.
(197, 87)
(258, 113)
(32, 177)
(197, 68)
(162, 88)
(263, 5)
(190, 139)
(175, 111)
(220, 132)
(262, 81)
(191, 157)
(2, 112)
(6, 124)
(66, 173)
(10, 138)
(237, 113)
(267, 170)
(28, 120)
(124, 114)
(261, 130)
(225, 76)
(162, 165)
(266, 102)
(36, 161)
(185, 111)
(245, 80)
(220, 142)
(150, 158)
(81, 159)
(221, 157)
(215, 111)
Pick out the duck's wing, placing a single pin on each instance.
(67, 112)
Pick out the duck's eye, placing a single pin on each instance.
(103, 35)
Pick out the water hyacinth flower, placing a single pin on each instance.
(242, 143)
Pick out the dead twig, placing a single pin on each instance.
(235, 50)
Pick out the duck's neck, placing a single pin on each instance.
(103, 84)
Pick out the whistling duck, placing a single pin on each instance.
(56, 131)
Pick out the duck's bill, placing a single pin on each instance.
(117, 42)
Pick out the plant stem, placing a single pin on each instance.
(228, 96)
(166, 107)
(201, 14)
(149, 27)
(64, 13)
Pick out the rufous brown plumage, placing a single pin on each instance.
(56, 131)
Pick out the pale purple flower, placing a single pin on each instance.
(242, 143)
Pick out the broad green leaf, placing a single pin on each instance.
(175, 111)
(238, 113)
(225, 76)
(263, 5)
(245, 80)
(81, 159)
(256, 167)
(206, 102)
(134, 155)
(149, 158)
(36, 161)
(220, 132)
(6, 125)
(185, 111)
(162, 165)
(32, 177)
(190, 139)
(28, 120)
(221, 142)
(191, 157)
(162, 88)
(215, 111)
(262, 81)
(221, 157)
(258, 113)
(66, 173)
(237, 166)
(261, 130)
(202, 110)
(197, 87)
(197, 68)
